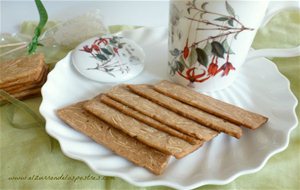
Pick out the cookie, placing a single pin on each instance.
(187, 111)
(213, 106)
(28, 85)
(148, 135)
(148, 120)
(120, 143)
(161, 114)
(22, 70)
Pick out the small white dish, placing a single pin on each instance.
(108, 59)
(259, 87)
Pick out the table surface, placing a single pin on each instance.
(26, 153)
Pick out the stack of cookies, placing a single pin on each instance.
(23, 77)
(147, 124)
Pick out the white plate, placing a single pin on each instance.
(259, 87)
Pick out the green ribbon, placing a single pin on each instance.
(37, 120)
(16, 105)
(38, 30)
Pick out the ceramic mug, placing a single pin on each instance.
(210, 40)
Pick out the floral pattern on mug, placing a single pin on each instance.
(200, 60)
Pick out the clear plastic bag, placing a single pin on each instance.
(57, 39)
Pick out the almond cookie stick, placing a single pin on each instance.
(216, 107)
(148, 120)
(188, 111)
(144, 133)
(117, 141)
(161, 114)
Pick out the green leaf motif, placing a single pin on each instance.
(181, 59)
(217, 49)
(202, 57)
(207, 48)
(101, 57)
(222, 19)
(230, 22)
(192, 59)
(175, 52)
(229, 9)
(110, 49)
(227, 47)
(106, 51)
(180, 66)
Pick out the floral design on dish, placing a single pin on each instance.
(113, 54)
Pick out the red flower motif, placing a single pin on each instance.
(90, 50)
(212, 69)
(95, 47)
(116, 50)
(87, 49)
(105, 41)
(101, 40)
(190, 75)
(186, 52)
(226, 67)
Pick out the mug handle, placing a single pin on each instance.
(273, 9)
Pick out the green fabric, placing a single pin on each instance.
(27, 152)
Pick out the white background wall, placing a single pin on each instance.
(131, 12)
